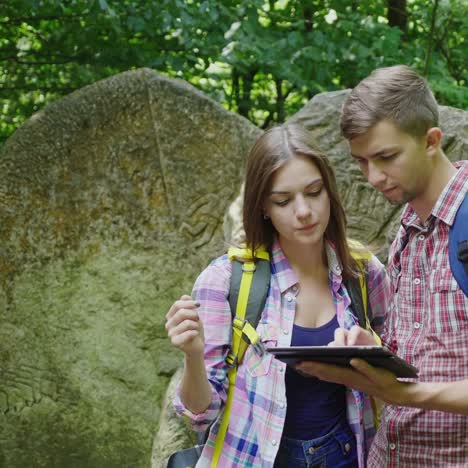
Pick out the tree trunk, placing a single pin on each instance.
(397, 14)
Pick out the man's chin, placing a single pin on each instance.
(395, 202)
(405, 198)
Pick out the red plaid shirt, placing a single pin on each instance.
(427, 325)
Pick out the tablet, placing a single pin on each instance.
(341, 355)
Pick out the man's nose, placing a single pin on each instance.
(374, 175)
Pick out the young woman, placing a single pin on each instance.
(279, 417)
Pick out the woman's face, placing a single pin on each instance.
(298, 203)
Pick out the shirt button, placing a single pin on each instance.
(417, 281)
(289, 298)
(392, 446)
(416, 325)
(421, 237)
(286, 332)
(281, 369)
(273, 442)
(282, 404)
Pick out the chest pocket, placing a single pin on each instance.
(448, 304)
(257, 362)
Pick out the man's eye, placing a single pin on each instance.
(388, 156)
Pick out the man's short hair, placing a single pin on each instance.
(395, 93)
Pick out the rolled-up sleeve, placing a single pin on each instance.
(211, 290)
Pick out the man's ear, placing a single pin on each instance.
(433, 139)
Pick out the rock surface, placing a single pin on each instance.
(111, 202)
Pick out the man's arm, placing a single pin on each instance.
(451, 397)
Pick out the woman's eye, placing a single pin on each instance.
(314, 193)
(281, 202)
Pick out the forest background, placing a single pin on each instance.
(261, 58)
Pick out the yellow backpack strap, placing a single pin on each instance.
(243, 333)
(362, 257)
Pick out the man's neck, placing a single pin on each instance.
(442, 172)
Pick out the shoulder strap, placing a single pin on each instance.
(357, 287)
(358, 298)
(258, 291)
(458, 246)
(250, 280)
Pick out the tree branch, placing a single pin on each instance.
(431, 37)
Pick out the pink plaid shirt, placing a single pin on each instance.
(427, 325)
(259, 405)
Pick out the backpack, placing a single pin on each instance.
(458, 246)
(250, 282)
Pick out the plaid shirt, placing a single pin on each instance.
(259, 405)
(427, 325)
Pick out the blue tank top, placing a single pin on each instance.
(314, 406)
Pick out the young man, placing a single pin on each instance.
(391, 122)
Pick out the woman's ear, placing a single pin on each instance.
(433, 139)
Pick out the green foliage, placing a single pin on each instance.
(261, 58)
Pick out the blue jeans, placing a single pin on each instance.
(335, 449)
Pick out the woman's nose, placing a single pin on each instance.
(302, 207)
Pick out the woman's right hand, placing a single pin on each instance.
(356, 336)
(184, 327)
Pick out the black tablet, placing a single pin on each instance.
(341, 355)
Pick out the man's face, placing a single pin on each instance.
(393, 161)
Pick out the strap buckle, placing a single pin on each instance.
(232, 360)
(249, 267)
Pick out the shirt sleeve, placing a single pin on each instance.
(211, 290)
(379, 293)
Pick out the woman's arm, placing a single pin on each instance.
(185, 331)
(202, 327)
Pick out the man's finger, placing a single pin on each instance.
(373, 374)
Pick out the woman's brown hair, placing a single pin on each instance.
(272, 150)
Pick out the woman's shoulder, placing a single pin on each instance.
(218, 270)
(222, 262)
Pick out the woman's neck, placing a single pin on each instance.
(306, 260)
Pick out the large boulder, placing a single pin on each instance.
(111, 201)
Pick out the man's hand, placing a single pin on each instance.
(376, 382)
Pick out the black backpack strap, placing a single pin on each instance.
(355, 293)
(258, 291)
